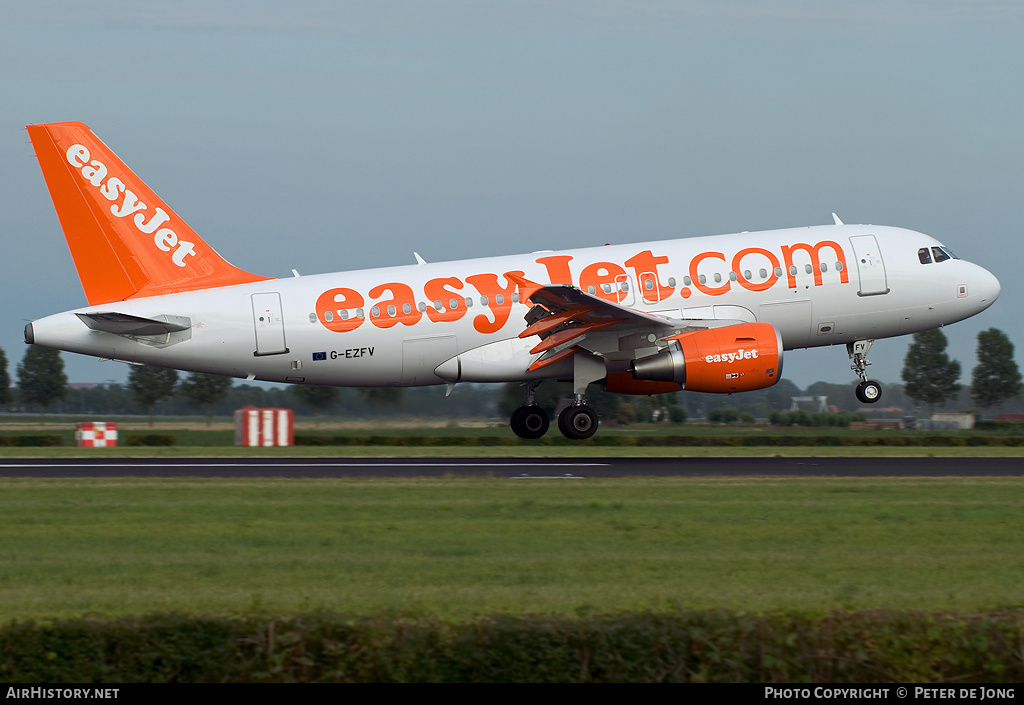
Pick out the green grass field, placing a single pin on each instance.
(458, 547)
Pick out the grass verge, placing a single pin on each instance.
(456, 547)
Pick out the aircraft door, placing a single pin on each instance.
(870, 267)
(269, 323)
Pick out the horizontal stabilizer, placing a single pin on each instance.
(125, 324)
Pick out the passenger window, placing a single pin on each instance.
(839, 266)
(392, 311)
(687, 281)
(807, 268)
(939, 254)
(792, 270)
(778, 271)
(406, 308)
(718, 277)
(824, 267)
(924, 256)
(763, 273)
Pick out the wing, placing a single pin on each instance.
(568, 320)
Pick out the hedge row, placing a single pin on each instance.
(680, 440)
(36, 441)
(31, 441)
(841, 647)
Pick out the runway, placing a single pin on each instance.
(512, 468)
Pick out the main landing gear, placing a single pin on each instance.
(576, 422)
(868, 391)
(530, 421)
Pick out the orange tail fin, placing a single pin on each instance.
(125, 241)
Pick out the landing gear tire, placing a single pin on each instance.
(869, 391)
(530, 422)
(578, 422)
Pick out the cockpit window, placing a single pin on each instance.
(940, 254)
(924, 256)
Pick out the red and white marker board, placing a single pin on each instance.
(264, 427)
(96, 434)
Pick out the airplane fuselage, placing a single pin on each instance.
(821, 285)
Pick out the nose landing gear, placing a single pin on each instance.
(868, 391)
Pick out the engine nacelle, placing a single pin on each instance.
(736, 358)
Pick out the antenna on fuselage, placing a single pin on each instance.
(836, 218)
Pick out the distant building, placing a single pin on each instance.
(818, 404)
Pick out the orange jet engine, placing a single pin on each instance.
(736, 358)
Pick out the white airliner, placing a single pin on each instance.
(708, 314)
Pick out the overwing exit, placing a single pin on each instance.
(710, 314)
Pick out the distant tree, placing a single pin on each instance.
(318, 398)
(151, 384)
(727, 414)
(677, 413)
(929, 376)
(380, 398)
(205, 391)
(41, 378)
(996, 378)
(5, 380)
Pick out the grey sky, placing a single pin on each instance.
(334, 135)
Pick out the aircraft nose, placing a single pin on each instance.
(990, 286)
(985, 287)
